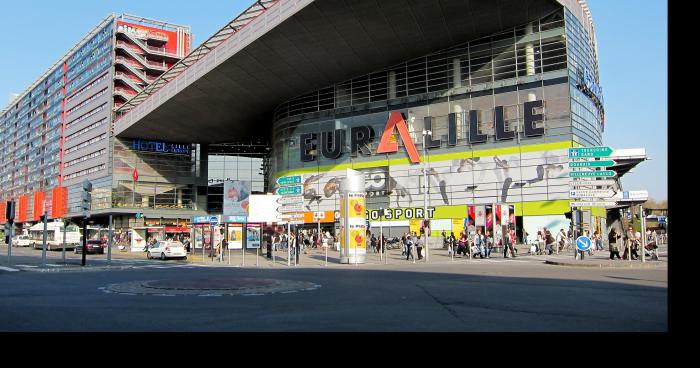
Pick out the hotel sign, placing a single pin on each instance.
(161, 147)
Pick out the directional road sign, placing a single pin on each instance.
(591, 182)
(583, 152)
(591, 193)
(593, 204)
(290, 208)
(291, 190)
(289, 180)
(592, 174)
(601, 163)
(292, 199)
(583, 243)
(291, 216)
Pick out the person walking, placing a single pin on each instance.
(487, 244)
(613, 237)
(404, 243)
(628, 239)
(479, 243)
(409, 248)
(418, 241)
(550, 242)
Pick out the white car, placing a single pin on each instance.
(167, 249)
(21, 241)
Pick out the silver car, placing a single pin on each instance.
(167, 249)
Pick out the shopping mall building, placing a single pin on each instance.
(317, 87)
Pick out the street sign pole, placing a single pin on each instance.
(9, 245)
(109, 242)
(43, 242)
(63, 247)
(644, 232)
(289, 243)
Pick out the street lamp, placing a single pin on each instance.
(425, 192)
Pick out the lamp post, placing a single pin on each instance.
(425, 193)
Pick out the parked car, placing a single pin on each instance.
(93, 246)
(167, 249)
(21, 241)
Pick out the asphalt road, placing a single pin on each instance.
(489, 295)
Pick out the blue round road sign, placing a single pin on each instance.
(213, 220)
(583, 243)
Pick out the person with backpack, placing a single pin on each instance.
(487, 244)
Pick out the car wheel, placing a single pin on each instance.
(148, 255)
(184, 258)
(162, 256)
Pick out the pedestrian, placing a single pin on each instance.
(540, 242)
(508, 244)
(419, 246)
(628, 240)
(452, 241)
(549, 241)
(409, 248)
(373, 243)
(613, 237)
(480, 244)
(404, 244)
(561, 239)
(487, 244)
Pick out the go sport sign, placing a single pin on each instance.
(396, 213)
(332, 142)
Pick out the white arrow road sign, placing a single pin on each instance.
(591, 193)
(588, 183)
(291, 199)
(290, 208)
(592, 204)
(291, 216)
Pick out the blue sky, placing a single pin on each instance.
(632, 46)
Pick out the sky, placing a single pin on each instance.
(632, 46)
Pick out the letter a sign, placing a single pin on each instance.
(396, 119)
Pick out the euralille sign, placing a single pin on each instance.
(332, 142)
(160, 147)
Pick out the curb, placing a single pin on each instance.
(602, 265)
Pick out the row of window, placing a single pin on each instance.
(99, 52)
(86, 129)
(84, 158)
(90, 99)
(103, 33)
(86, 143)
(85, 172)
(87, 115)
(86, 88)
(89, 74)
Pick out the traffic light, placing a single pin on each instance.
(87, 198)
(10, 211)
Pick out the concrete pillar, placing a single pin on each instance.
(392, 84)
(456, 73)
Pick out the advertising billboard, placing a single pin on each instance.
(253, 234)
(235, 236)
(236, 197)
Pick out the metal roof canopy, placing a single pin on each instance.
(289, 48)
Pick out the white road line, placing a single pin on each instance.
(9, 269)
(252, 294)
(209, 295)
(290, 291)
(164, 294)
(27, 266)
(127, 293)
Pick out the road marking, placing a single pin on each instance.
(8, 269)
(54, 265)
(290, 291)
(27, 266)
(252, 294)
(127, 293)
(209, 295)
(164, 294)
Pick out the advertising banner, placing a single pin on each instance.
(236, 197)
(497, 214)
(511, 214)
(489, 217)
(414, 226)
(458, 226)
(263, 208)
(357, 239)
(235, 236)
(480, 215)
(505, 218)
(253, 234)
(356, 206)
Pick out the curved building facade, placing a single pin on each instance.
(502, 111)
